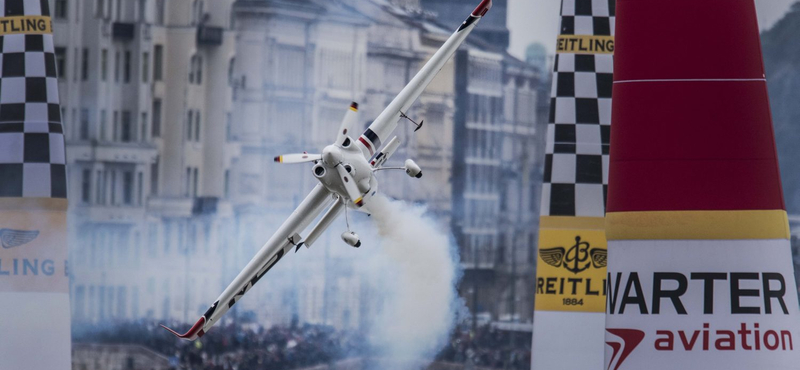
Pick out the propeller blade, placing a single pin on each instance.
(350, 185)
(297, 158)
(348, 123)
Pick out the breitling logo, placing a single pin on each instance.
(576, 258)
(10, 238)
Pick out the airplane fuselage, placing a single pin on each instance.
(353, 161)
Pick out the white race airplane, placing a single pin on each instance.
(346, 172)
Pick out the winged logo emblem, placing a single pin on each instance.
(552, 256)
(10, 238)
(575, 258)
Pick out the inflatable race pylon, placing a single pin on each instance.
(568, 320)
(34, 286)
(700, 271)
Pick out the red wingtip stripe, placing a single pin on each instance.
(195, 332)
(482, 8)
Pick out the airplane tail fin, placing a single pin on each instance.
(195, 332)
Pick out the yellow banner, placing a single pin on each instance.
(29, 25)
(33, 247)
(583, 44)
(571, 269)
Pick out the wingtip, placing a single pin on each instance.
(195, 332)
(482, 8)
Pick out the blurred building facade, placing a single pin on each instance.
(174, 110)
(145, 102)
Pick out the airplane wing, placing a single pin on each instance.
(386, 122)
(278, 246)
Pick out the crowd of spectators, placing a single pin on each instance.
(486, 346)
(251, 347)
(242, 347)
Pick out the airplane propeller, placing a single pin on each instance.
(348, 122)
(342, 139)
(350, 185)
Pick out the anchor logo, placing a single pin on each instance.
(576, 258)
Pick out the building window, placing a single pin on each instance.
(98, 195)
(196, 69)
(158, 60)
(122, 303)
(127, 127)
(106, 183)
(230, 71)
(103, 64)
(99, 8)
(192, 68)
(143, 130)
(119, 11)
(160, 12)
(290, 62)
(145, 66)
(127, 188)
(189, 122)
(197, 11)
(84, 128)
(61, 9)
(195, 182)
(139, 188)
(61, 62)
(143, 11)
(127, 66)
(113, 188)
(228, 126)
(336, 68)
(227, 183)
(116, 66)
(188, 180)
(74, 133)
(199, 70)
(156, 118)
(85, 65)
(197, 126)
(115, 128)
(86, 186)
(154, 178)
(75, 65)
(102, 124)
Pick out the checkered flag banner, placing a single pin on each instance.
(32, 155)
(576, 163)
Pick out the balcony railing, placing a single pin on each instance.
(204, 206)
(207, 35)
(123, 31)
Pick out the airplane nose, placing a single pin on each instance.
(331, 156)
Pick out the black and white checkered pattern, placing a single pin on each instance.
(32, 155)
(576, 163)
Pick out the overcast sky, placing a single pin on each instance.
(537, 21)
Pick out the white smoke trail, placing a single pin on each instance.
(414, 267)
